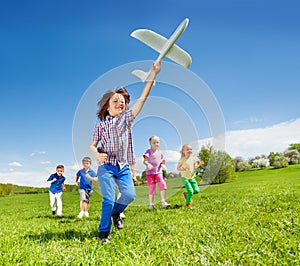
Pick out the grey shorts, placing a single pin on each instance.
(85, 195)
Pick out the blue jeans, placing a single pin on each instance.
(109, 177)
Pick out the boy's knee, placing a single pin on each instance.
(126, 198)
(131, 197)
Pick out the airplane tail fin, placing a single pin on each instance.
(140, 74)
(144, 76)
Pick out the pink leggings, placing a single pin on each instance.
(151, 178)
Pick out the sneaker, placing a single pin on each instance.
(118, 222)
(151, 207)
(80, 215)
(189, 205)
(86, 214)
(166, 205)
(122, 215)
(184, 195)
(104, 237)
(53, 212)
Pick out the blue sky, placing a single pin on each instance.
(247, 52)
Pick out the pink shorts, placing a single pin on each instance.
(151, 178)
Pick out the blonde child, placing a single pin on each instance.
(187, 166)
(154, 161)
(115, 152)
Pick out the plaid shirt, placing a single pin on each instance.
(114, 138)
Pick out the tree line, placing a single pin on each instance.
(217, 169)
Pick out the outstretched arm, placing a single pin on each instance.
(137, 107)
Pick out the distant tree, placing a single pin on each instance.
(5, 189)
(227, 169)
(293, 156)
(143, 177)
(242, 166)
(294, 146)
(251, 160)
(173, 175)
(239, 159)
(280, 162)
(205, 153)
(219, 166)
(272, 157)
(260, 163)
(164, 173)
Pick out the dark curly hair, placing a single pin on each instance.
(103, 103)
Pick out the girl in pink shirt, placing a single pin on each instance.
(154, 160)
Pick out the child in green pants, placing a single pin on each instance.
(187, 165)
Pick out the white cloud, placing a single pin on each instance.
(45, 162)
(15, 164)
(253, 142)
(37, 153)
(171, 156)
(36, 179)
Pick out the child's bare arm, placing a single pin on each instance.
(101, 157)
(146, 162)
(91, 178)
(133, 172)
(137, 107)
(76, 180)
(199, 165)
(51, 181)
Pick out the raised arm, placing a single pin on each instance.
(137, 107)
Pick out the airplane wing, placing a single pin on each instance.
(157, 42)
(150, 38)
(180, 56)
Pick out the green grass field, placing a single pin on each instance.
(252, 220)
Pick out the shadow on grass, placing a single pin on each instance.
(64, 218)
(65, 235)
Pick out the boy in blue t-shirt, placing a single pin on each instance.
(57, 186)
(85, 177)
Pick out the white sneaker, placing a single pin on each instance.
(165, 205)
(80, 215)
(86, 214)
(122, 215)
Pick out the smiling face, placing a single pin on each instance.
(154, 143)
(187, 150)
(59, 171)
(116, 104)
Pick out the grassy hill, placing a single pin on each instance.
(252, 220)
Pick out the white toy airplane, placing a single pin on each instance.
(166, 47)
